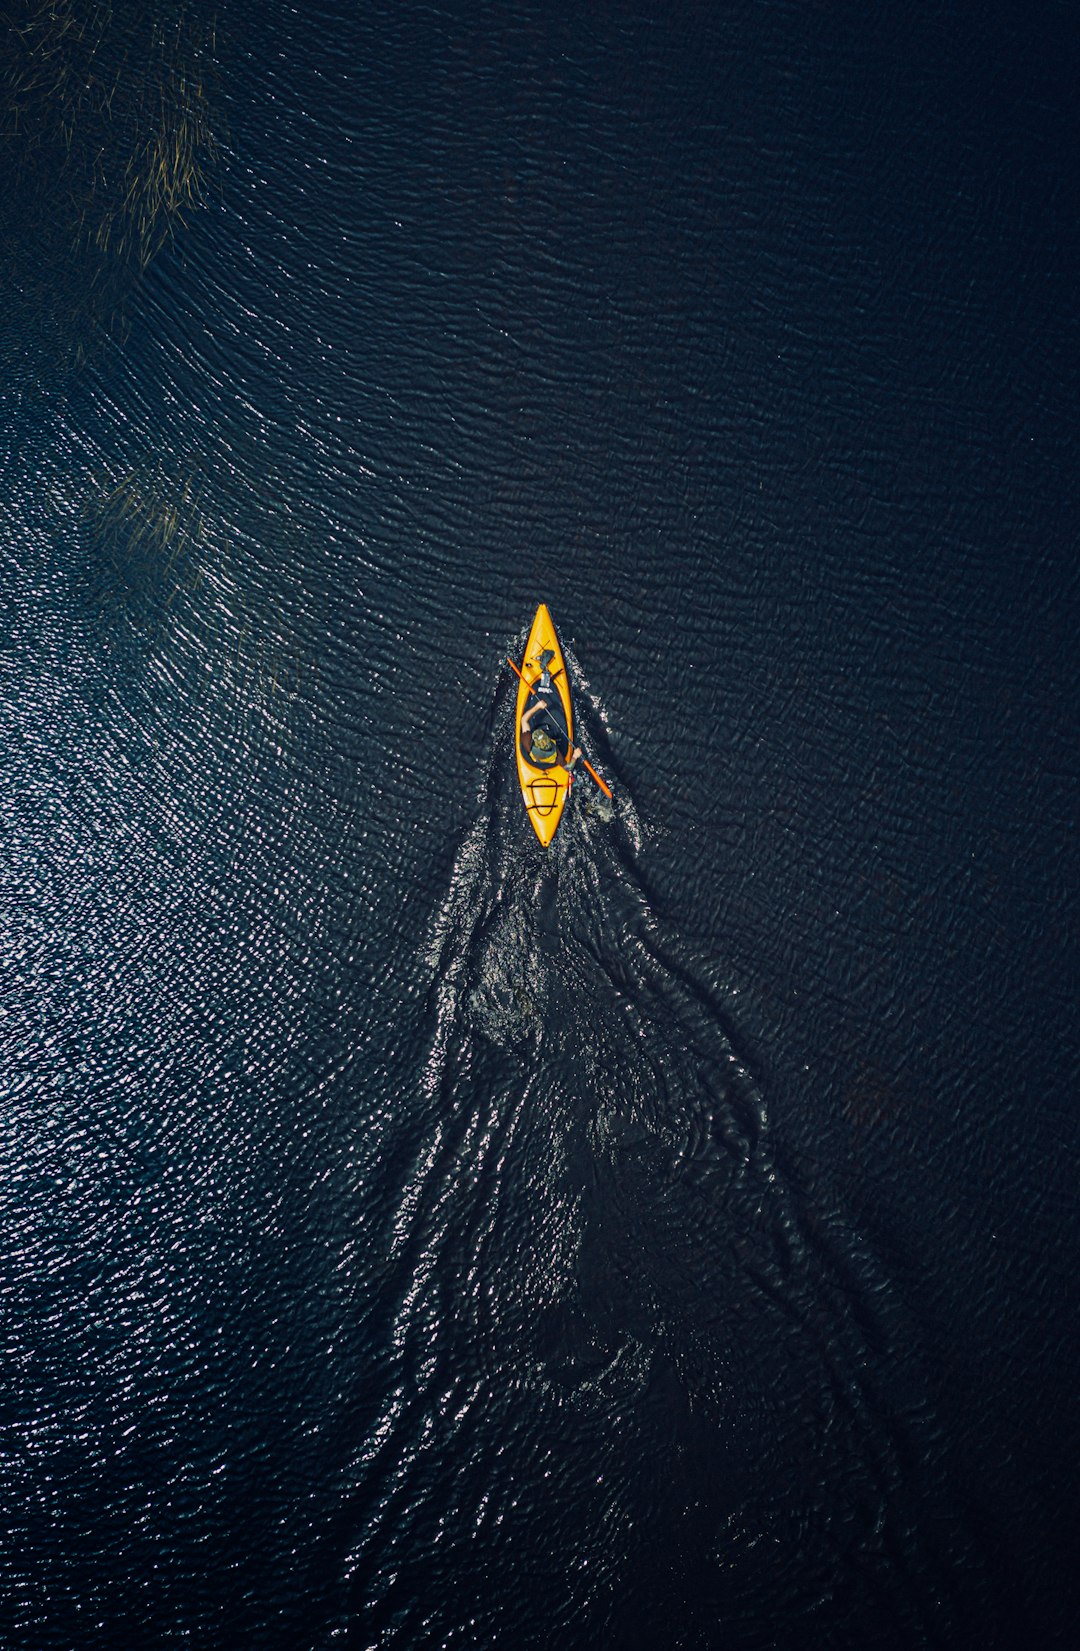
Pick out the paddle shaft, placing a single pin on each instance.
(561, 726)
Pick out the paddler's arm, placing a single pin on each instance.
(526, 731)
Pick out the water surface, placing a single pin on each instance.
(414, 1240)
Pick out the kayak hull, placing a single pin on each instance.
(544, 790)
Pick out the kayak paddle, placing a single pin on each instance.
(557, 720)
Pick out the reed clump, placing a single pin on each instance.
(115, 104)
(148, 537)
(150, 518)
(170, 148)
(107, 141)
(159, 561)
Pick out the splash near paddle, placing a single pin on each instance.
(543, 753)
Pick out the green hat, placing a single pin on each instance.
(543, 740)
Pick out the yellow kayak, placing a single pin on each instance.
(545, 782)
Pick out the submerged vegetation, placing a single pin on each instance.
(150, 541)
(164, 567)
(117, 103)
(107, 144)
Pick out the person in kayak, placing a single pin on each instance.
(540, 747)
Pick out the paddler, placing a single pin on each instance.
(539, 746)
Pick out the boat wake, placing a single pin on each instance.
(649, 1335)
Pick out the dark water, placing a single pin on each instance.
(412, 1240)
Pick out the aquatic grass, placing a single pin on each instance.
(148, 536)
(164, 174)
(160, 563)
(108, 144)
